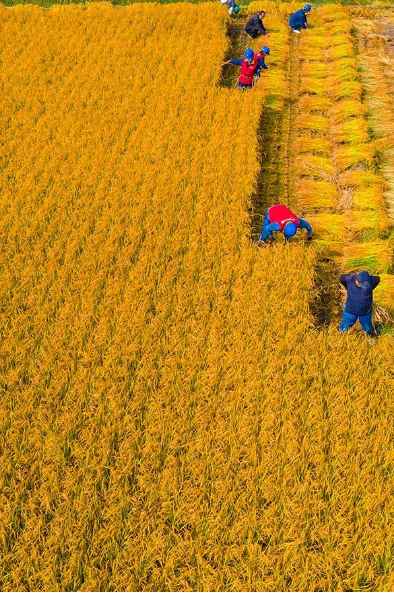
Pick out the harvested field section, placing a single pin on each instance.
(374, 31)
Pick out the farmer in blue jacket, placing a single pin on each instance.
(359, 287)
(298, 20)
(259, 58)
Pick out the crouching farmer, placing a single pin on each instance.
(259, 58)
(255, 25)
(359, 287)
(280, 219)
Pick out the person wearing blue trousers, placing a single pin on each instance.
(359, 287)
(298, 20)
(279, 218)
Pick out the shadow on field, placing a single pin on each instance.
(268, 181)
(237, 45)
(326, 303)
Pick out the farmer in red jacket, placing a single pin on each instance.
(279, 218)
(248, 69)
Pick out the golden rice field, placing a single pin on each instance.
(174, 414)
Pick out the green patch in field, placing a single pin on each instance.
(369, 263)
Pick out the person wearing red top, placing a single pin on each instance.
(248, 68)
(279, 218)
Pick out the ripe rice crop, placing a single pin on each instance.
(173, 414)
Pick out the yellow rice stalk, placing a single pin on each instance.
(327, 226)
(312, 144)
(351, 155)
(363, 221)
(314, 70)
(346, 109)
(374, 256)
(367, 11)
(359, 178)
(369, 198)
(313, 87)
(316, 40)
(314, 122)
(379, 84)
(311, 103)
(342, 51)
(388, 171)
(386, 143)
(344, 86)
(384, 293)
(315, 166)
(316, 193)
(354, 131)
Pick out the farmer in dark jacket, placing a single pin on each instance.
(359, 287)
(298, 20)
(255, 26)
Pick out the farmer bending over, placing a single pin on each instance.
(298, 20)
(359, 287)
(259, 59)
(248, 69)
(233, 7)
(280, 218)
(255, 26)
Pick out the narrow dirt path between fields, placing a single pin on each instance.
(274, 140)
(238, 42)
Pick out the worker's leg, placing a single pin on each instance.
(257, 74)
(264, 229)
(367, 325)
(252, 33)
(347, 321)
(244, 87)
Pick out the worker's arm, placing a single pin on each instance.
(304, 224)
(374, 281)
(344, 279)
(261, 64)
(261, 27)
(235, 62)
(267, 230)
(305, 25)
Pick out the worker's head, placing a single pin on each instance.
(261, 13)
(289, 230)
(361, 278)
(249, 54)
(265, 50)
(307, 7)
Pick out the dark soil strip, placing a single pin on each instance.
(269, 180)
(238, 42)
(327, 300)
(272, 185)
